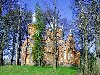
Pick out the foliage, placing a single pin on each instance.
(38, 45)
(14, 29)
(87, 19)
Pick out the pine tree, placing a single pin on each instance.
(38, 46)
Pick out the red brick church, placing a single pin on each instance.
(66, 52)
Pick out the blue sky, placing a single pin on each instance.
(62, 5)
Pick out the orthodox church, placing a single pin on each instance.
(66, 52)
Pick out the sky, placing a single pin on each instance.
(62, 5)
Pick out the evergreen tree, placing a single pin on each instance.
(38, 45)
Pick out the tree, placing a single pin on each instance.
(15, 27)
(2, 42)
(11, 20)
(52, 16)
(54, 36)
(85, 13)
(3, 32)
(13, 50)
(25, 17)
(38, 44)
(94, 13)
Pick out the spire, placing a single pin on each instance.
(70, 33)
(70, 30)
(34, 18)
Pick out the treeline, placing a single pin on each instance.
(87, 18)
(13, 28)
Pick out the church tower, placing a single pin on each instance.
(27, 55)
(70, 49)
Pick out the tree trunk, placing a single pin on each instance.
(86, 58)
(55, 50)
(18, 40)
(13, 49)
(1, 56)
(1, 48)
(18, 44)
(54, 37)
(2, 44)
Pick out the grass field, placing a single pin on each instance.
(34, 70)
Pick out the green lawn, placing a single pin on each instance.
(34, 70)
